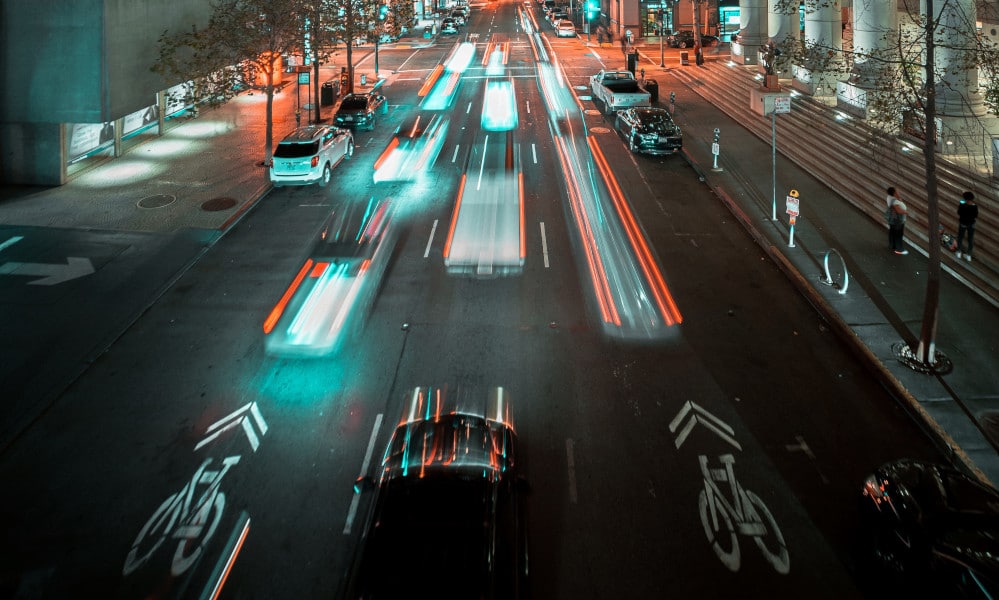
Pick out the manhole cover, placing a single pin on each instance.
(592, 111)
(216, 204)
(157, 201)
(599, 130)
(585, 98)
(582, 87)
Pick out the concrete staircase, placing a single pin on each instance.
(844, 154)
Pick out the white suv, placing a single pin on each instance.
(308, 155)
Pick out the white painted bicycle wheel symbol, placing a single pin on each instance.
(192, 522)
(747, 515)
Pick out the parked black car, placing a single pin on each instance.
(685, 39)
(447, 518)
(649, 130)
(930, 531)
(359, 110)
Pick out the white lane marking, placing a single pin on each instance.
(364, 469)
(469, 109)
(454, 156)
(11, 242)
(534, 153)
(482, 165)
(572, 470)
(544, 244)
(433, 229)
(528, 103)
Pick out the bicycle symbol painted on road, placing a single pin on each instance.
(191, 516)
(182, 517)
(746, 515)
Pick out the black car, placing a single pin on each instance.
(930, 531)
(649, 130)
(359, 110)
(447, 520)
(685, 39)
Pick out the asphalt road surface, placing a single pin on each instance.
(185, 405)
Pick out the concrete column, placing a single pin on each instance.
(782, 21)
(875, 30)
(818, 72)
(753, 25)
(956, 73)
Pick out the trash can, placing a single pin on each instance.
(684, 58)
(327, 93)
(652, 87)
(428, 32)
(632, 61)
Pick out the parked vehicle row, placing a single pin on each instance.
(309, 154)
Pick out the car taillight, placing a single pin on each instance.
(315, 160)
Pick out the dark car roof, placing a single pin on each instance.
(355, 101)
(438, 529)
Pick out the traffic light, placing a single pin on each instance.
(592, 9)
(382, 12)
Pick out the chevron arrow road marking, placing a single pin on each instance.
(700, 415)
(241, 416)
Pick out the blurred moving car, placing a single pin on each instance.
(930, 531)
(565, 28)
(685, 39)
(308, 155)
(447, 519)
(327, 302)
(413, 150)
(458, 16)
(359, 109)
(449, 25)
(649, 130)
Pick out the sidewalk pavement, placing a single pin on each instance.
(203, 174)
(872, 297)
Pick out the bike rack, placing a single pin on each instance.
(828, 280)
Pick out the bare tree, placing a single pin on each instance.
(904, 103)
(241, 46)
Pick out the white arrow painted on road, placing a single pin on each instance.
(721, 428)
(235, 419)
(53, 273)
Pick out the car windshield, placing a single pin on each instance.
(354, 104)
(296, 150)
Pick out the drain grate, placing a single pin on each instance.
(217, 204)
(599, 130)
(157, 201)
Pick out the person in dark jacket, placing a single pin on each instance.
(967, 213)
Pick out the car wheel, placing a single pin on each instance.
(350, 151)
(372, 126)
(327, 176)
(682, 45)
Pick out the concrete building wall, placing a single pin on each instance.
(76, 61)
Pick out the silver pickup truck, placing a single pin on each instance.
(618, 89)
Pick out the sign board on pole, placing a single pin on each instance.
(782, 104)
(792, 206)
(715, 148)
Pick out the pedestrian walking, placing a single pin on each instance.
(895, 215)
(967, 214)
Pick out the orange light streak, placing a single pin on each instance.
(664, 299)
(454, 219)
(605, 300)
(318, 270)
(272, 319)
(392, 146)
(232, 560)
(523, 234)
(431, 80)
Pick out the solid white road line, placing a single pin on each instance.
(364, 469)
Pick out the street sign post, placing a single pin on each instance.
(793, 204)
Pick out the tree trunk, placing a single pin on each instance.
(926, 353)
